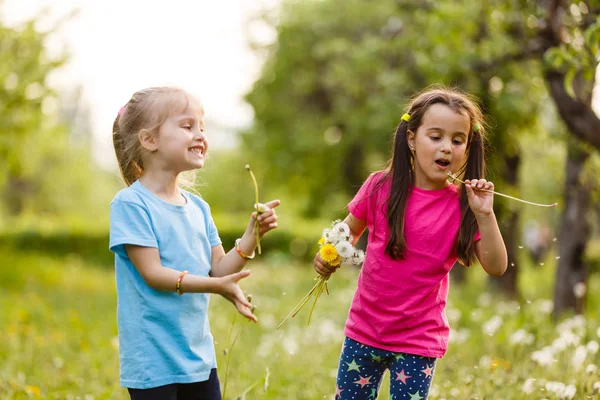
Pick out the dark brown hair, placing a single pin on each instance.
(401, 173)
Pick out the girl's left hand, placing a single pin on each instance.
(481, 202)
(267, 220)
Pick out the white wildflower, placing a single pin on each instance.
(529, 385)
(453, 315)
(459, 336)
(484, 300)
(544, 357)
(579, 357)
(491, 326)
(579, 289)
(521, 336)
(544, 306)
(566, 339)
(591, 369)
(597, 386)
(592, 347)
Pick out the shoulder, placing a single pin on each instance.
(197, 200)
(128, 195)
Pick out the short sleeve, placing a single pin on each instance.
(359, 206)
(130, 224)
(212, 232)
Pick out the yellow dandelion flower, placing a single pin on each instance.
(337, 261)
(321, 241)
(328, 253)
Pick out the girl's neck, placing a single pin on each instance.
(163, 184)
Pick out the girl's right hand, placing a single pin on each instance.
(230, 289)
(322, 267)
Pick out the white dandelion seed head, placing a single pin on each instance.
(591, 369)
(521, 337)
(344, 249)
(579, 289)
(579, 357)
(544, 357)
(490, 327)
(592, 347)
(529, 386)
(342, 229)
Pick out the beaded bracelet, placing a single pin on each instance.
(240, 252)
(178, 284)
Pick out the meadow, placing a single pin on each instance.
(59, 336)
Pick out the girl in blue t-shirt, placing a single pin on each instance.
(166, 244)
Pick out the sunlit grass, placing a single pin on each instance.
(58, 336)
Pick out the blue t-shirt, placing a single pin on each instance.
(164, 338)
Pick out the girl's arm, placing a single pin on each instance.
(357, 227)
(224, 264)
(147, 261)
(490, 249)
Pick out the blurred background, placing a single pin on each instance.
(308, 92)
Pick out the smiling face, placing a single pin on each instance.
(439, 145)
(181, 144)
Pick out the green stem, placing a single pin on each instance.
(229, 351)
(454, 178)
(256, 225)
(322, 286)
(299, 306)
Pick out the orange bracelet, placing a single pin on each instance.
(240, 252)
(178, 284)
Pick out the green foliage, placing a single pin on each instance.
(44, 172)
(332, 89)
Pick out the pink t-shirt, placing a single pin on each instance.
(399, 304)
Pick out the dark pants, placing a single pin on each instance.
(205, 390)
(361, 368)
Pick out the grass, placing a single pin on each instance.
(59, 334)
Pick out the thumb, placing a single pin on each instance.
(240, 275)
(273, 203)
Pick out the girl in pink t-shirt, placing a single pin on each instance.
(419, 225)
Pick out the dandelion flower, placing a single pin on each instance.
(342, 229)
(337, 261)
(344, 249)
(328, 253)
(321, 241)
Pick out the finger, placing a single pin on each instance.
(266, 214)
(265, 220)
(243, 300)
(247, 313)
(481, 183)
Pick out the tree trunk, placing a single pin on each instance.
(508, 218)
(573, 236)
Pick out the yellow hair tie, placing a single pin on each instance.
(406, 118)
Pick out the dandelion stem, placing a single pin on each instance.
(322, 286)
(256, 227)
(454, 178)
(301, 304)
(228, 348)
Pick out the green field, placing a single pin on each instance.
(59, 337)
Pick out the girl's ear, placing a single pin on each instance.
(410, 138)
(147, 140)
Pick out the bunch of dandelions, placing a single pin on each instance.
(335, 249)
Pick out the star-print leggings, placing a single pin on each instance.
(361, 368)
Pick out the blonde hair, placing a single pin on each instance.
(147, 109)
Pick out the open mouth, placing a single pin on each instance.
(197, 151)
(442, 162)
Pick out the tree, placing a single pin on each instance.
(331, 90)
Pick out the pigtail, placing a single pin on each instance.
(401, 174)
(474, 169)
(130, 164)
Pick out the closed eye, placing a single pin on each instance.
(435, 138)
(458, 141)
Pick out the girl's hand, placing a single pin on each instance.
(481, 202)
(322, 267)
(267, 219)
(230, 289)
